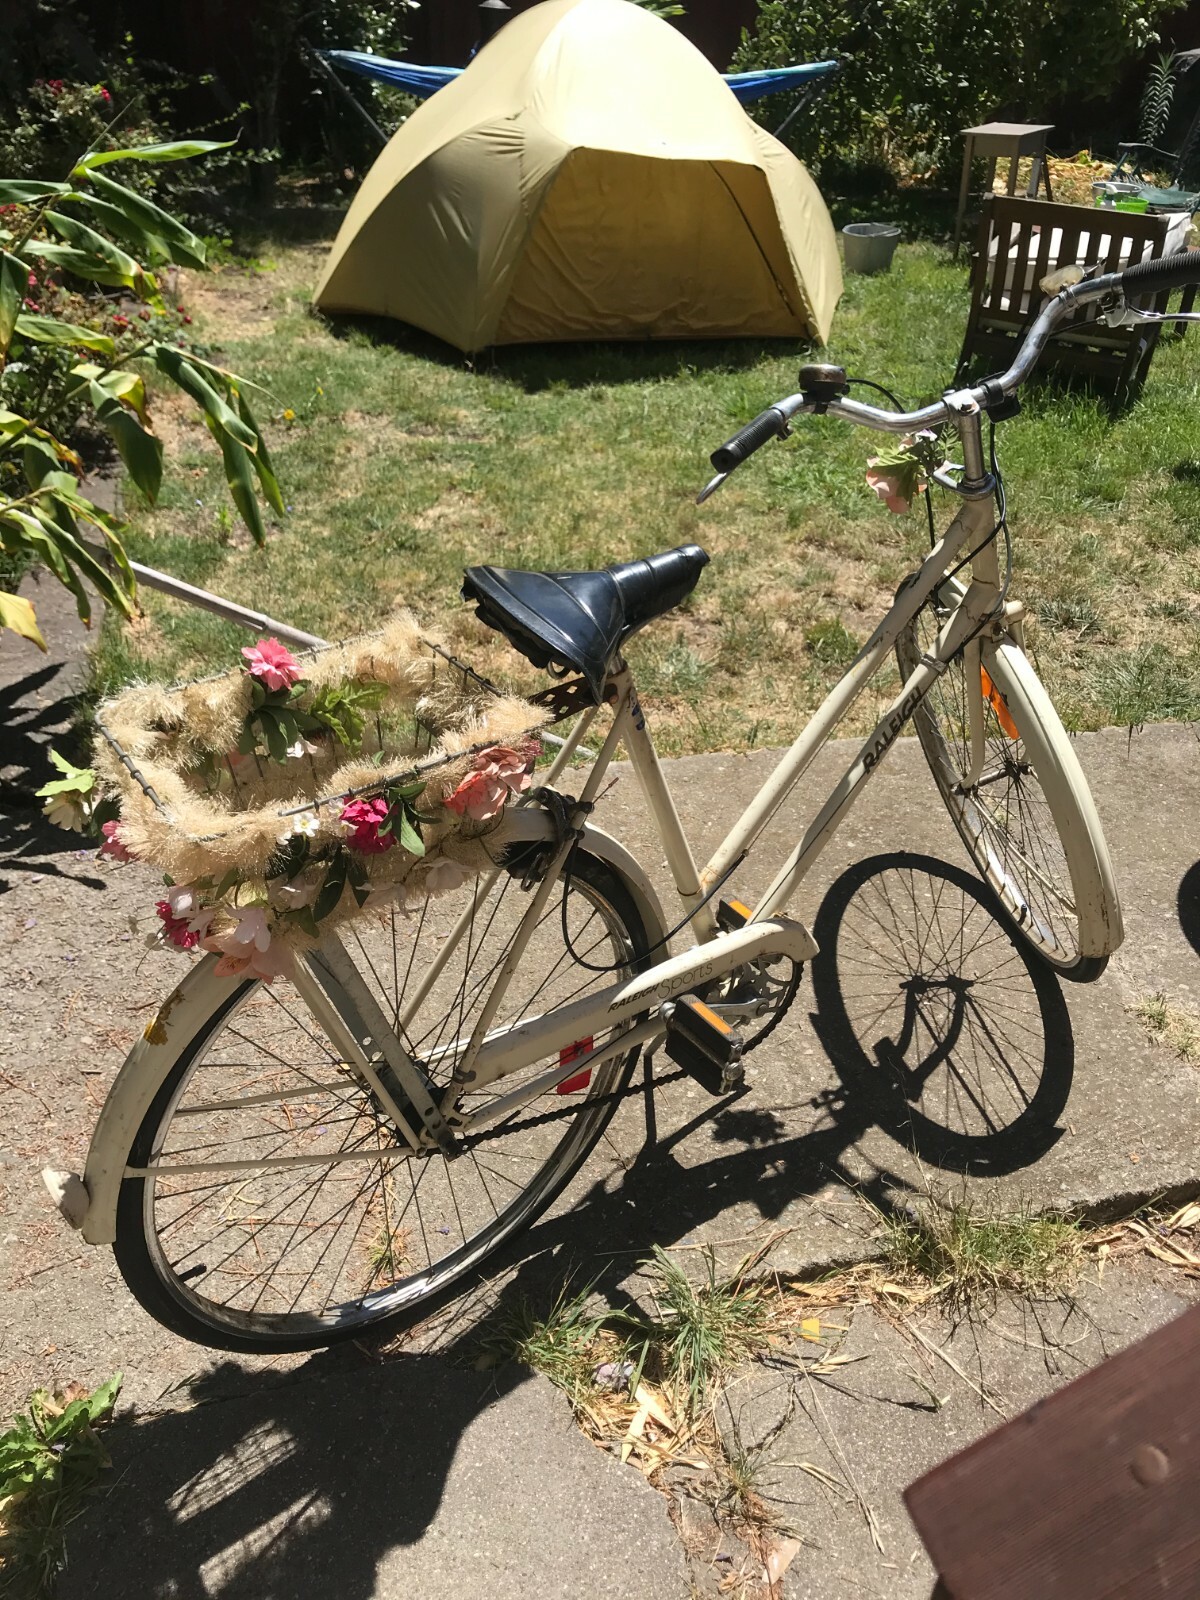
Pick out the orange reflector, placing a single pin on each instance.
(741, 908)
(569, 1053)
(997, 702)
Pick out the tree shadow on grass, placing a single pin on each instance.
(282, 1487)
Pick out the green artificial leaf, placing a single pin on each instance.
(14, 277)
(75, 780)
(25, 191)
(141, 452)
(305, 921)
(230, 881)
(17, 613)
(290, 857)
(360, 883)
(342, 708)
(410, 832)
(50, 330)
(182, 245)
(331, 889)
(178, 150)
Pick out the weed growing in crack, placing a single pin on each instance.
(1170, 1025)
(966, 1256)
(50, 1460)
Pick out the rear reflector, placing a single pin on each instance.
(572, 1052)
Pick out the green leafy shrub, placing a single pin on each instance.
(62, 243)
(915, 72)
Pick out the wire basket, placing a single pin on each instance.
(405, 760)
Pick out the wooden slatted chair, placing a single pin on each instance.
(1020, 242)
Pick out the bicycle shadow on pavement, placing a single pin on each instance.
(937, 1026)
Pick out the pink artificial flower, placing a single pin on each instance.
(113, 846)
(273, 663)
(176, 929)
(444, 876)
(495, 774)
(889, 487)
(362, 820)
(247, 949)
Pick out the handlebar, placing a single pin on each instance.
(1146, 277)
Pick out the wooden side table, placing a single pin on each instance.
(994, 141)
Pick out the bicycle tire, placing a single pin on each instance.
(1029, 824)
(204, 1287)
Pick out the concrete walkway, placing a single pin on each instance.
(389, 1480)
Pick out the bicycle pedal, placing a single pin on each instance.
(705, 1046)
(731, 915)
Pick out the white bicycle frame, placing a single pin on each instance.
(491, 1054)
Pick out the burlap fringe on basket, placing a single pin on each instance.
(196, 809)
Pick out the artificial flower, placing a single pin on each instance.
(272, 663)
(247, 949)
(303, 747)
(67, 810)
(889, 486)
(299, 892)
(114, 846)
(362, 820)
(179, 930)
(306, 826)
(496, 773)
(443, 876)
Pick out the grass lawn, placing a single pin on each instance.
(403, 464)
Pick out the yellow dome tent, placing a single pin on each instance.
(589, 176)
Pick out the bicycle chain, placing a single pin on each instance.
(616, 1095)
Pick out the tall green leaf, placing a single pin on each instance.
(239, 475)
(149, 246)
(140, 450)
(261, 458)
(180, 150)
(25, 191)
(14, 276)
(50, 330)
(127, 387)
(116, 262)
(177, 366)
(17, 613)
(185, 247)
(83, 264)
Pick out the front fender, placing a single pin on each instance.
(190, 1006)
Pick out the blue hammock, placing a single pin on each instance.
(424, 81)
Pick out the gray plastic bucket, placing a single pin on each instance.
(870, 246)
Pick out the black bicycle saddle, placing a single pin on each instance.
(579, 620)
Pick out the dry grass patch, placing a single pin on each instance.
(1172, 1026)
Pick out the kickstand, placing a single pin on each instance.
(648, 1098)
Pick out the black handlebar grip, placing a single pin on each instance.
(769, 424)
(1167, 272)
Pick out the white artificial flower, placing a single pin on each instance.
(252, 927)
(307, 825)
(443, 876)
(303, 747)
(297, 894)
(67, 811)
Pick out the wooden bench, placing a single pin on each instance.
(1092, 1494)
(1020, 242)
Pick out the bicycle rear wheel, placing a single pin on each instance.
(309, 1221)
(1029, 822)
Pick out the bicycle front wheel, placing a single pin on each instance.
(1028, 820)
(278, 1210)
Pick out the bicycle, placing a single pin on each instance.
(279, 1167)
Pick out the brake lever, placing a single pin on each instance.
(712, 486)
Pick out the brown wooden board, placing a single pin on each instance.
(1091, 1494)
